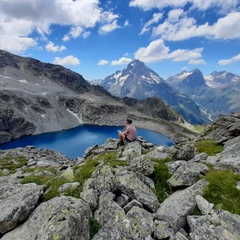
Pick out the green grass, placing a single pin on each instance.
(81, 174)
(222, 190)
(94, 227)
(208, 146)
(160, 176)
(12, 163)
(40, 169)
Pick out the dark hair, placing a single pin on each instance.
(129, 120)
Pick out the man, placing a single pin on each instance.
(129, 133)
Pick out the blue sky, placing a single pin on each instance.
(96, 38)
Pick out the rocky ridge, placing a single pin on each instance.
(120, 197)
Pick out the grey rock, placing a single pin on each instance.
(107, 208)
(131, 150)
(162, 230)
(91, 197)
(59, 218)
(186, 152)
(204, 206)
(183, 176)
(130, 205)
(200, 157)
(144, 219)
(101, 180)
(231, 222)
(122, 200)
(130, 185)
(68, 187)
(122, 227)
(179, 205)
(179, 236)
(142, 164)
(172, 166)
(17, 202)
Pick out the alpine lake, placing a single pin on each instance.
(73, 142)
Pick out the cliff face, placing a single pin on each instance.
(137, 191)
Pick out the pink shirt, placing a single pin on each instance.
(131, 132)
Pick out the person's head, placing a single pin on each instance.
(129, 121)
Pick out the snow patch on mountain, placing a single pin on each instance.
(155, 78)
(122, 80)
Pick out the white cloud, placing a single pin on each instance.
(181, 27)
(50, 47)
(67, 61)
(121, 61)
(19, 19)
(102, 62)
(222, 5)
(109, 27)
(186, 54)
(155, 19)
(196, 62)
(149, 4)
(229, 61)
(156, 51)
(75, 31)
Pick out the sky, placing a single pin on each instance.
(96, 38)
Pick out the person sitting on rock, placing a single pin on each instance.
(129, 133)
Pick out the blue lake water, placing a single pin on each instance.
(74, 142)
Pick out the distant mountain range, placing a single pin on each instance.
(140, 82)
(217, 93)
(197, 98)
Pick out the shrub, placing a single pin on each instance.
(208, 146)
(222, 190)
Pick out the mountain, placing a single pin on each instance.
(186, 82)
(140, 82)
(37, 97)
(217, 93)
(221, 79)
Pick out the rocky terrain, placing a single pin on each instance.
(37, 97)
(138, 191)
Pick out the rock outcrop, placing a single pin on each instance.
(111, 193)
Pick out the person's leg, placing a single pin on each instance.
(121, 136)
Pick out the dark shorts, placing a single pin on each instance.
(128, 140)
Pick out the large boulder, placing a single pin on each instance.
(17, 202)
(61, 218)
(179, 205)
(130, 185)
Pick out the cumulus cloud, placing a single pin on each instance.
(157, 51)
(50, 47)
(222, 5)
(181, 27)
(155, 19)
(121, 61)
(102, 62)
(67, 61)
(186, 54)
(20, 19)
(229, 61)
(154, 52)
(109, 27)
